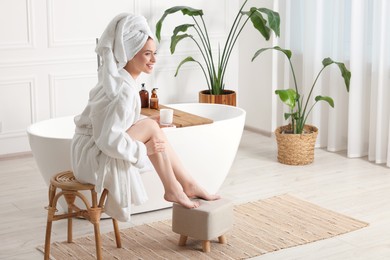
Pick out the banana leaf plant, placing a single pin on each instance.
(214, 68)
(299, 110)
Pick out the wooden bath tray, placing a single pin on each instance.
(180, 118)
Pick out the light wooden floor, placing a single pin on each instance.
(355, 187)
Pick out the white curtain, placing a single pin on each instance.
(356, 32)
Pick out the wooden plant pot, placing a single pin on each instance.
(228, 98)
(296, 149)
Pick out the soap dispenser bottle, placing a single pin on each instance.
(154, 99)
(144, 95)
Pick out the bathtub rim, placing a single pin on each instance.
(31, 128)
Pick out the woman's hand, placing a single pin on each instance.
(155, 146)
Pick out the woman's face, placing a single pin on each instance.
(143, 61)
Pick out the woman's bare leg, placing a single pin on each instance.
(173, 190)
(148, 132)
(173, 175)
(190, 187)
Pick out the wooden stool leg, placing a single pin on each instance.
(222, 239)
(102, 199)
(206, 246)
(70, 226)
(47, 240)
(50, 215)
(95, 213)
(70, 198)
(182, 240)
(117, 234)
(98, 241)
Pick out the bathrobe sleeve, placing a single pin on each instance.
(110, 125)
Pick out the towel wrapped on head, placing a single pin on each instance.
(123, 38)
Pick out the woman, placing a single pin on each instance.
(111, 141)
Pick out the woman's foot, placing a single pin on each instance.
(195, 191)
(181, 198)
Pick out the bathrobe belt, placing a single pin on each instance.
(84, 131)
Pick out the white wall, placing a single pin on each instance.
(48, 64)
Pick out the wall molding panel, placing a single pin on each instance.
(69, 90)
(14, 119)
(21, 19)
(46, 62)
(84, 26)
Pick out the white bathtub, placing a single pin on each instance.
(207, 151)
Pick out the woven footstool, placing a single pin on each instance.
(210, 220)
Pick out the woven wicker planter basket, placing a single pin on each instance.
(296, 149)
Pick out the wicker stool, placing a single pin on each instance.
(70, 188)
(210, 220)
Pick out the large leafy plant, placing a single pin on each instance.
(214, 68)
(298, 104)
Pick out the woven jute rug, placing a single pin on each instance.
(260, 227)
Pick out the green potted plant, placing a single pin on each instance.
(296, 141)
(214, 66)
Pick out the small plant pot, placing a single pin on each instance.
(228, 98)
(296, 149)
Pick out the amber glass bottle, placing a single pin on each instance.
(154, 99)
(144, 95)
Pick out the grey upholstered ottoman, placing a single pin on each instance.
(210, 220)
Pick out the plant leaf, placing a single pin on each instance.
(345, 73)
(287, 115)
(327, 61)
(182, 28)
(261, 24)
(186, 10)
(273, 20)
(175, 39)
(258, 22)
(188, 59)
(258, 52)
(329, 100)
(296, 116)
(288, 96)
(286, 52)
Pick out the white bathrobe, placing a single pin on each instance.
(104, 154)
